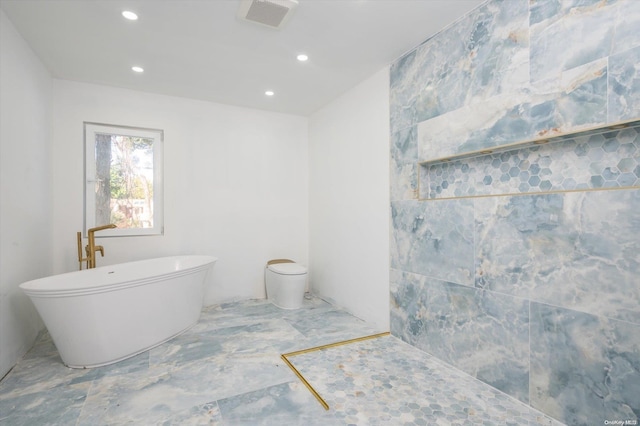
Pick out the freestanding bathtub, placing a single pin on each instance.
(104, 315)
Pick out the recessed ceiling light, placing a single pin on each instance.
(137, 69)
(302, 57)
(130, 15)
(269, 93)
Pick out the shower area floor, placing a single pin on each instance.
(227, 370)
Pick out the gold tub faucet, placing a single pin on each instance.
(91, 248)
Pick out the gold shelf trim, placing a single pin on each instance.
(517, 194)
(285, 358)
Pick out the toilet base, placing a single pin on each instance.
(284, 307)
(286, 291)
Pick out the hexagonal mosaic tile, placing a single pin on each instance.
(604, 160)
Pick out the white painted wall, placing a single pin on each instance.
(349, 200)
(25, 189)
(240, 184)
(235, 183)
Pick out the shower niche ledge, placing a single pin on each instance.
(606, 157)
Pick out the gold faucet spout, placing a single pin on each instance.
(101, 228)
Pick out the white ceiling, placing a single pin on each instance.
(199, 49)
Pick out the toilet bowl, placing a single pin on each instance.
(286, 282)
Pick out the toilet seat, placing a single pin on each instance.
(287, 268)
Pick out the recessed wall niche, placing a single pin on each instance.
(603, 158)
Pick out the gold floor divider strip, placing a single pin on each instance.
(285, 358)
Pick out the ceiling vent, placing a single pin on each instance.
(272, 13)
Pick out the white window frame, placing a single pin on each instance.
(90, 132)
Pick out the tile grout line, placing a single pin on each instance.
(320, 348)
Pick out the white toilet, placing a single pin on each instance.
(286, 282)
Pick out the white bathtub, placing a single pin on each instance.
(104, 315)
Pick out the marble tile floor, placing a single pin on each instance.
(227, 370)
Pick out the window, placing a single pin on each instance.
(123, 179)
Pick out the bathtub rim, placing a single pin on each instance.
(41, 289)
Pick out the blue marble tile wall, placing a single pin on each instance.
(534, 293)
